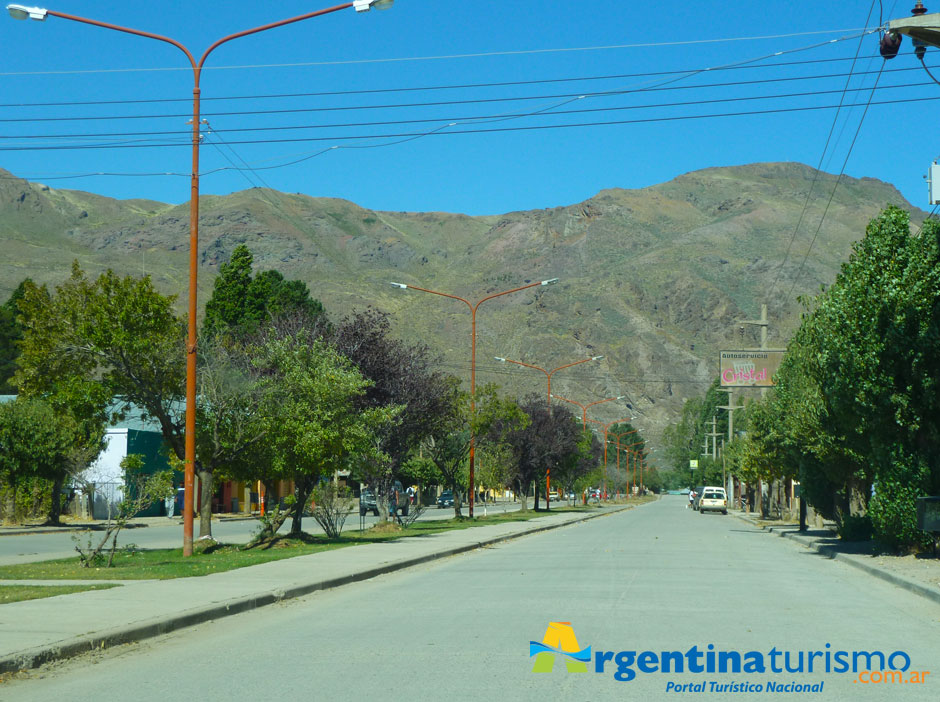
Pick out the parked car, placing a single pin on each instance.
(367, 503)
(553, 496)
(446, 499)
(713, 499)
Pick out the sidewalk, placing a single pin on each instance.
(918, 575)
(38, 631)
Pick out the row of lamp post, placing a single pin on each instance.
(548, 376)
(41, 14)
(23, 12)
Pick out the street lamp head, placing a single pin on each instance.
(597, 358)
(399, 285)
(550, 281)
(498, 358)
(366, 5)
(22, 12)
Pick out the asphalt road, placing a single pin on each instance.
(656, 578)
(166, 533)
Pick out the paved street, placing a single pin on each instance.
(166, 533)
(656, 578)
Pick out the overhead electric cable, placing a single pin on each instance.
(428, 88)
(822, 156)
(467, 118)
(832, 194)
(485, 54)
(410, 135)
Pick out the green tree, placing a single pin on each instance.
(33, 443)
(228, 307)
(94, 340)
(490, 418)
(241, 304)
(10, 333)
(856, 401)
(311, 425)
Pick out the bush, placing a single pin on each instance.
(33, 500)
(332, 504)
(893, 512)
(856, 528)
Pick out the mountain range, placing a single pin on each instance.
(655, 279)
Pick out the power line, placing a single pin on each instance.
(467, 118)
(442, 103)
(822, 156)
(485, 54)
(186, 132)
(832, 194)
(428, 88)
(440, 131)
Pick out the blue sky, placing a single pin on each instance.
(551, 51)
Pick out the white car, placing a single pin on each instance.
(713, 499)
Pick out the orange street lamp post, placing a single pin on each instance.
(473, 350)
(606, 427)
(548, 375)
(618, 437)
(40, 14)
(584, 408)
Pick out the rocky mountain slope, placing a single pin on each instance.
(654, 279)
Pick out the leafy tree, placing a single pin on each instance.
(311, 424)
(241, 304)
(269, 296)
(448, 444)
(33, 443)
(585, 457)
(400, 374)
(228, 307)
(545, 442)
(230, 426)
(93, 340)
(10, 333)
(856, 406)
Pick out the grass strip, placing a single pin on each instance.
(19, 593)
(165, 564)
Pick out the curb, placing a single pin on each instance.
(834, 554)
(116, 636)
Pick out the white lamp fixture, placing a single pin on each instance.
(366, 5)
(22, 12)
(399, 285)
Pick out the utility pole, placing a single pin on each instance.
(762, 323)
(714, 434)
(731, 407)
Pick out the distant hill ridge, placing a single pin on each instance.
(654, 279)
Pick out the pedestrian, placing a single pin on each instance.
(411, 494)
(393, 502)
(691, 498)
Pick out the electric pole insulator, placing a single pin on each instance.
(890, 45)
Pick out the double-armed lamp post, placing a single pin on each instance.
(548, 376)
(584, 408)
(473, 353)
(606, 427)
(37, 13)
